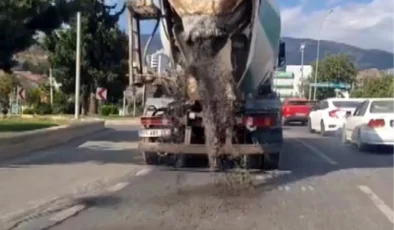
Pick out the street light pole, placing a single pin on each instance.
(78, 66)
(318, 52)
(302, 67)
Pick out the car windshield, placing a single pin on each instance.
(346, 104)
(298, 102)
(382, 106)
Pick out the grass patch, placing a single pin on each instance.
(20, 125)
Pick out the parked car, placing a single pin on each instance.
(328, 115)
(372, 123)
(295, 110)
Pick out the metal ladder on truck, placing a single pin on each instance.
(139, 74)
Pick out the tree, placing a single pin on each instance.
(20, 20)
(7, 84)
(103, 53)
(334, 69)
(376, 87)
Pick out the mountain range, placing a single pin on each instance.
(364, 58)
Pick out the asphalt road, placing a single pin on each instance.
(45, 181)
(321, 184)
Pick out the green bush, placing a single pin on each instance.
(43, 109)
(28, 111)
(107, 110)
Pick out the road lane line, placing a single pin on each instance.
(118, 187)
(63, 215)
(144, 171)
(385, 209)
(318, 152)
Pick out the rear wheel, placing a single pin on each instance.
(150, 158)
(310, 126)
(344, 137)
(361, 146)
(322, 129)
(253, 161)
(284, 122)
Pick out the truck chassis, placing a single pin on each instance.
(254, 142)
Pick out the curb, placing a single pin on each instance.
(27, 142)
(131, 121)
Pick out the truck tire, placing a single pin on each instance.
(253, 161)
(272, 161)
(150, 158)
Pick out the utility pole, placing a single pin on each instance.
(131, 57)
(51, 86)
(78, 66)
(302, 67)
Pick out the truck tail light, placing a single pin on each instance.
(259, 121)
(333, 113)
(376, 123)
(155, 121)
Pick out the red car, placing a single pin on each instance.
(295, 110)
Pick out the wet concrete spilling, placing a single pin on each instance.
(211, 66)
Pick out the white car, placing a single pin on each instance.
(329, 115)
(372, 123)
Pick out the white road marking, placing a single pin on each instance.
(260, 177)
(287, 188)
(385, 209)
(311, 188)
(144, 171)
(67, 213)
(318, 152)
(303, 188)
(118, 187)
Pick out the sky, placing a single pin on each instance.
(362, 23)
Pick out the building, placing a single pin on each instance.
(159, 61)
(389, 71)
(289, 83)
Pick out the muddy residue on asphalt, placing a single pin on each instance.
(228, 193)
(210, 65)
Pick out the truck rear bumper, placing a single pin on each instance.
(237, 149)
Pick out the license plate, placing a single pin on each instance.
(154, 132)
(301, 114)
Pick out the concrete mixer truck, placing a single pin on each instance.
(224, 54)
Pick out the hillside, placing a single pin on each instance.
(365, 59)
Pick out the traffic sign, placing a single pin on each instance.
(332, 85)
(21, 93)
(101, 94)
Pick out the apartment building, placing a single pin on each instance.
(289, 83)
